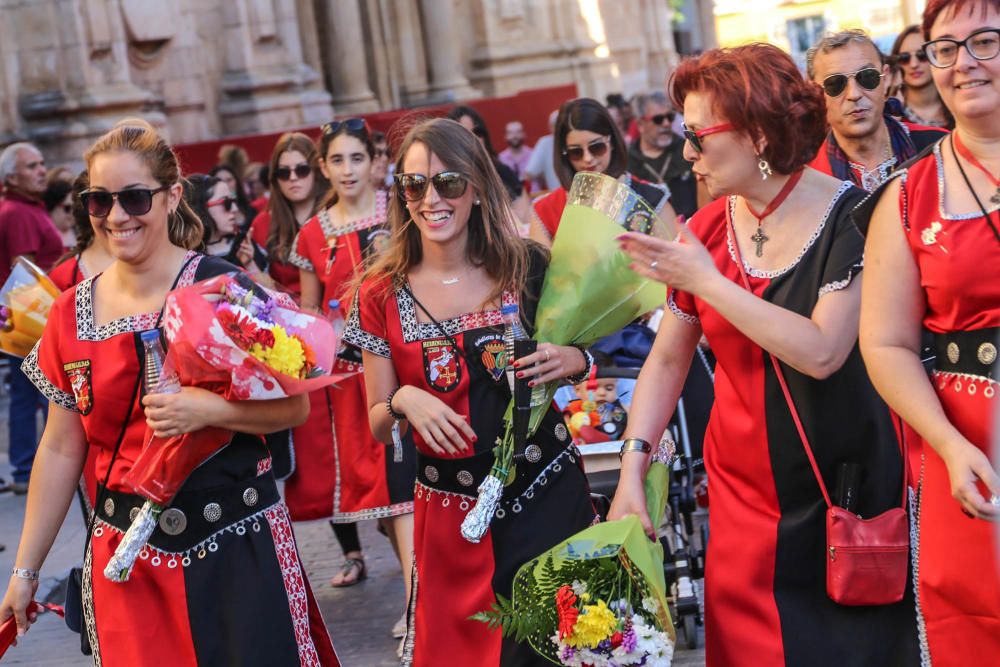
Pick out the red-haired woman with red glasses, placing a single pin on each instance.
(784, 229)
(934, 249)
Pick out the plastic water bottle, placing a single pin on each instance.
(336, 318)
(154, 380)
(512, 331)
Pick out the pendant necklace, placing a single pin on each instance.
(454, 280)
(971, 159)
(759, 237)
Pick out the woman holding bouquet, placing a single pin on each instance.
(348, 475)
(586, 138)
(934, 249)
(753, 125)
(427, 316)
(219, 582)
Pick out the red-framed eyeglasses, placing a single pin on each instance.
(694, 137)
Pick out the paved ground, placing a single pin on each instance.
(359, 618)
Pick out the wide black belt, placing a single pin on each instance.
(464, 475)
(970, 352)
(194, 516)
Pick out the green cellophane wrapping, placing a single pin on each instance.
(613, 544)
(589, 290)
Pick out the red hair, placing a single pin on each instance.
(760, 91)
(935, 7)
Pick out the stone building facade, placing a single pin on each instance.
(69, 69)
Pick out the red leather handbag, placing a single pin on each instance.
(866, 559)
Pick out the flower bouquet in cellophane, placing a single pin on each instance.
(236, 340)
(26, 299)
(597, 599)
(589, 292)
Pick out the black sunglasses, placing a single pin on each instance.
(868, 78)
(352, 124)
(660, 117)
(597, 148)
(448, 184)
(904, 57)
(227, 203)
(301, 170)
(134, 201)
(982, 45)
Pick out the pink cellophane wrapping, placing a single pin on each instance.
(203, 355)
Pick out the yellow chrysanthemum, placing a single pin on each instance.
(285, 356)
(595, 624)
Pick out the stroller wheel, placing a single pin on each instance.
(690, 631)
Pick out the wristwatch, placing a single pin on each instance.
(25, 573)
(634, 445)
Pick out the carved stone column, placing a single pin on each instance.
(347, 69)
(266, 85)
(72, 74)
(447, 77)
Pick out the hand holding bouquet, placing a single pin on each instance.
(237, 341)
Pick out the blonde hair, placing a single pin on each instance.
(137, 136)
(493, 241)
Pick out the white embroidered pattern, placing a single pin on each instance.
(358, 337)
(757, 273)
(940, 181)
(925, 652)
(89, 619)
(30, 368)
(295, 584)
(681, 315)
(838, 285)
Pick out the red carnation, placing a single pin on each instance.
(616, 640)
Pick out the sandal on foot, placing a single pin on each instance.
(399, 630)
(351, 566)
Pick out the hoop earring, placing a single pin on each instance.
(764, 167)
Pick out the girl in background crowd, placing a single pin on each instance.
(586, 138)
(244, 213)
(214, 204)
(88, 364)
(58, 200)
(753, 124)
(933, 256)
(380, 163)
(91, 255)
(351, 476)
(921, 102)
(297, 191)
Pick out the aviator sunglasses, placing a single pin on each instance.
(227, 203)
(301, 170)
(134, 201)
(448, 184)
(596, 148)
(660, 117)
(868, 78)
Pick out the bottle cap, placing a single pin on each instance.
(333, 303)
(508, 309)
(150, 336)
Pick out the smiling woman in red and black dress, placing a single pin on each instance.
(455, 258)
(749, 113)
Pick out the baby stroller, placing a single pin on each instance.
(684, 556)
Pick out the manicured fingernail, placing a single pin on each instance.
(516, 365)
(531, 384)
(519, 374)
(475, 438)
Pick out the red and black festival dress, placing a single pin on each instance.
(956, 562)
(347, 475)
(548, 501)
(765, 582)
(548, 209)
(220, 583)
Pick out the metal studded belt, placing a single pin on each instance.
(464, 475)
(970, 352)
(194, 516)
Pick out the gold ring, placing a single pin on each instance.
(548, 355)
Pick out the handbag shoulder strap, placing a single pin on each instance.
(788, 394)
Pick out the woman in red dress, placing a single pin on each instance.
(934, 249)
(427, 316)
(349, 476)
(587, 139)
(297, 191)
(221, 583)
(751, 115)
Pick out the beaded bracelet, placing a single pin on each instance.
(589, 358)
(398, 416)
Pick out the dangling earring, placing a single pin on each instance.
(476, 202)
(764, 167)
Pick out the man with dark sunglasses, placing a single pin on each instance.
(657, 154)
(865, 143)
(25, 229)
